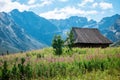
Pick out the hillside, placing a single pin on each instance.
(23, 31)
(85, 63)
(13, 38)
(109, 26)
(70, 22)
(36, 26)
(116, 44)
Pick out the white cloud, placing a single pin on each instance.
(84, 2)
(45, 2)
(8, 5)
(95, 5)
(42, 3)
(31, 1)
(66, 12)
(105, 5)
(63, 0)
(102, 5)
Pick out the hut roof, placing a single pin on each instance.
(89, 35)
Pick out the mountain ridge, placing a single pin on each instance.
(35, 25)
(13, 38)
(104, 25)
(26, 30)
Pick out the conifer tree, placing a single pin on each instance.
(70, 40)
(57, 45)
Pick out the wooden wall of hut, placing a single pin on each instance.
(90, 45)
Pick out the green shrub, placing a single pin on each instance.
(28, 71)
(14, 72)
(57, 45)
(71, 66)
(5, 71)
(40, 56)
(70, 40)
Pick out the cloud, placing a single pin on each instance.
(63, 0)
(8, 5)
(95, 5)
(46, 2)
(66, 12)
(84, 2)
(31, 1)
(42, 3)
(105, 5)
(102, 5)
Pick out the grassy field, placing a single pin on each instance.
(78, 64)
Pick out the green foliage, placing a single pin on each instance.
(21, 69)
(70, 40)
(67, 51)
(24, 71)
(76, 64)
(40, 56)
(5, 71)
(7, 52)
(57, 45)
(28, 71)
(14, 72)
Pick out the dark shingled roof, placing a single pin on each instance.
(89, 35)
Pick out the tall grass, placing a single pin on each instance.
(76, 64)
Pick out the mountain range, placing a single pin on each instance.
(22, 31)
(108, 26)
(39, 28)
(13, 38)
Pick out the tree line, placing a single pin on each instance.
(58, 43)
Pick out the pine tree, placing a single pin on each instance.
(70, 40)
(57, 45)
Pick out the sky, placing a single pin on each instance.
(61, 9)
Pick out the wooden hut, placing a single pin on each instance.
(89, 37)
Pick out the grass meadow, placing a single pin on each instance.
(78, 64)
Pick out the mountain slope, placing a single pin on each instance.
(108, 26)
(106, 22)
(74, 21)
(116, 44)
(38, 27)
(70, 22)
(13, 38)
